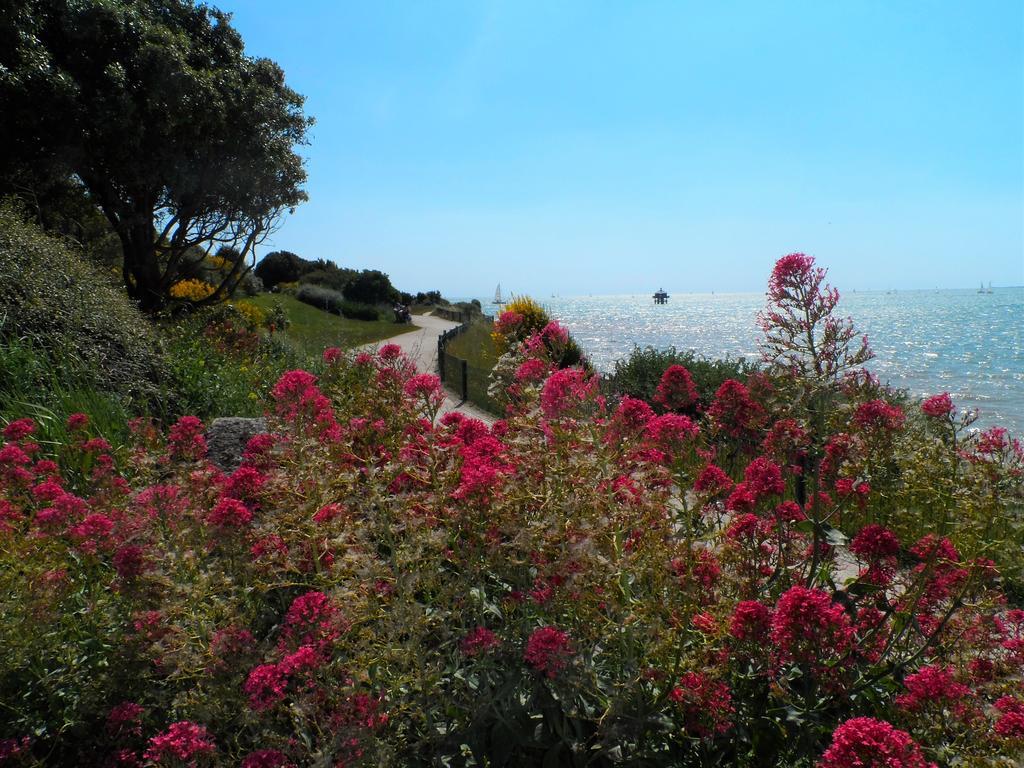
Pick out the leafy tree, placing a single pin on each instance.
(371, 286)
(280, 267)
(179, 137)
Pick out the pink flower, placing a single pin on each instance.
(554, 333)
(706, 704)
(808, 627)
(1010, 725)
(564, 390)
(531, 371)
(184, 741)
(864, 742)
(312, 620)
(266, 686)
(742, 499)
(77, 421)
(93, 532)
(671, 431)
(96, 445)
(390, 352)
(751, 621)
(548, 650)
(12, 455)
(130, 561)
(789, 272)
(875, 542)
(257, 450)
(933, 685)
(712, 480)
(229, 513)
(676, 390)
(763, 477)
(19, 429)
(328, 512)
(244, 483)
(734, 411)
(484, 462)
(508, 323)
(425, 388)
(631, 416)
(125, 718)
(478, 641)
(331, 355)
(878, 414)
(938, 406)
(186, 439)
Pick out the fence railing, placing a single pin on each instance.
(456, 373)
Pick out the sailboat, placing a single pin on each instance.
(497, 296)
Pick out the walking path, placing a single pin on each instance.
(421, 347)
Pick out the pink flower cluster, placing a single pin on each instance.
(267, 684)
(706, 704)
(566, 390)
(734, 410)
(938, 406)
(808, 627)
(676, 390)
(479, 641)
(864, 742)
(183, 741)
(185, 439)
(933, 686)
(878, 414)
(548, 650)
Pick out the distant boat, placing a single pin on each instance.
(982, 289)
(497, 296)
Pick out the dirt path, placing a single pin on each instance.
(421, 347)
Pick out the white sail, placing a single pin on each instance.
(497, 295)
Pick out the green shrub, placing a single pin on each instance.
(320, 297)
(335, 303)
(638, 375)
(66, 307)
(218, 367)
(353, 310)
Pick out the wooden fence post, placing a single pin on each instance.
(465, 380)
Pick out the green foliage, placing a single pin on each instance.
(220, 369)
(39, 383)
(65, 306)
(335, 303)
(371, 286)
(179, 137)
(639, 374)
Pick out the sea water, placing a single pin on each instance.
(963, 342)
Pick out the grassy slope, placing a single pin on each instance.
(476, 346)
(312, 330)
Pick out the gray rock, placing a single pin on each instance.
(226, 439)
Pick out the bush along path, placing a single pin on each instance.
(574, 585)
(420, 347)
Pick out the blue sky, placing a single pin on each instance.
(614, 147)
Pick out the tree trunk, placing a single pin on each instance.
(140, 260)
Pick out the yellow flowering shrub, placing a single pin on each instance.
(192, 290)
(250, 313)
(216, 262)
(522, 317)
